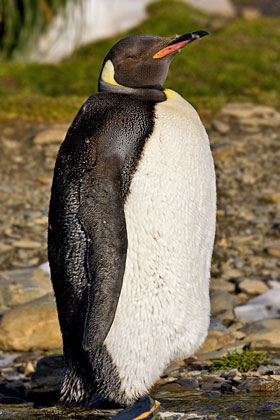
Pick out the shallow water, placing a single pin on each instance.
(240, 406)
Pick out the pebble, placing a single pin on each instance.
(23, 285)
(222, 301)
(263, 306)
(215, 341)
(253, 287)
(274, 251)
(252, 115)
(33, 325)
(26, 244)
(53, 135)
(219, 284)
(265, 331)
(220, 126)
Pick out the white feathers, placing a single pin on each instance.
(163, 310)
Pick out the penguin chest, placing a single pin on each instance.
(163, 309)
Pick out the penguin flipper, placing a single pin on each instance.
(102, 217)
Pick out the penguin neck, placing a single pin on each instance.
(108, 83)
(153, 94)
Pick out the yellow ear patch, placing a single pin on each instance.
(108, 74)
(170, 93)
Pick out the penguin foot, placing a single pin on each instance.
(101, 403)
(144, 408)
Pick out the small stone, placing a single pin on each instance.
(274, 251)
(275, 377)
(33, 325)
(238, 335)
(243, 297)
(23, 285)
(259, 385)
(251, 115)
(41, 220)
(265, 331)
(7, 359)
(232, 274)
(253, 287)
(219, 284)
(215, 341)
(273, 197)
(220, 126)
(53, 135)
(45, 180)
(235, 327)
(29, 368)
(188, 384)
(200, 364)
(27, 244)
(264, 306)
(222, 301)
(5, 248)
(226, 317)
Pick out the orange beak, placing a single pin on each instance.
(179, 42)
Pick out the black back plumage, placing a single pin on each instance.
(87, 232)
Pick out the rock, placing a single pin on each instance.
(232, 274)
(46, 268)
(21, 286)
(52, 135)
(273, 197)
(214, 355)
(27, 244)
(259, 385)
(216, 325)
(274, 251)
(215, 340)
(222, 301)
(252, 115)
(49, 372)
(221, 152)
(5, 248)
(243, 297)
(266, 331)
(201, 365)
(253, 287)
(219, 284)
(222, 8)
(6, 359)
(29, 368)
(264, 306)
(226, 317)
(188, 384)
(177, 415)
(220, 126)
(235, 327)
(33, 325)
(47, 379)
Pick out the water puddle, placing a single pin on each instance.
(241, 406)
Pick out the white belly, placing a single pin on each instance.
(163, 310)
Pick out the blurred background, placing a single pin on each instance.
(45, 71)
(51, 53)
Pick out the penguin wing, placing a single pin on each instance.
(102, 217)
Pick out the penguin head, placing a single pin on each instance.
(141, 61)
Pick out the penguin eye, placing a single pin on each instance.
(131, 57)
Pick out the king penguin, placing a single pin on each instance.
(131, 229)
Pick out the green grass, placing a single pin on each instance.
(239, 61)
(244, 361)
